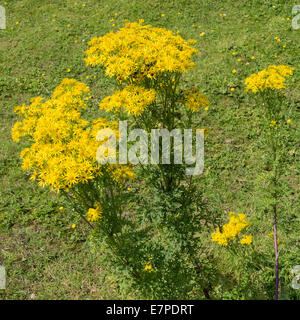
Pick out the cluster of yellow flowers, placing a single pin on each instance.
(133, 99)
(63, 146)
(230, 230)
(272, 77)
(148, 266)
(95, 214)
(194, 100)
(137, 51)
(246, 239)
(122, 173)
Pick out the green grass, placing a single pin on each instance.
(44, 257)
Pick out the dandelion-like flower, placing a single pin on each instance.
(95, 214)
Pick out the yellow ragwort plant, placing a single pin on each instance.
(147, 64)
(268, 85)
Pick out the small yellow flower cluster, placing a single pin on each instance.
(63, 146)
(95, 214)
(246, 239)
(148, 266)
(194, 100)
(137, 51)
(122, 173)
(133, 99)
(273, 77)
(230, 230)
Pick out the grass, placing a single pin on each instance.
(44, 257)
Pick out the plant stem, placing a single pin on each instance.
(274, 148)
(276, 253)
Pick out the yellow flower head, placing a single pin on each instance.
(148, 267)
(95, 214)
